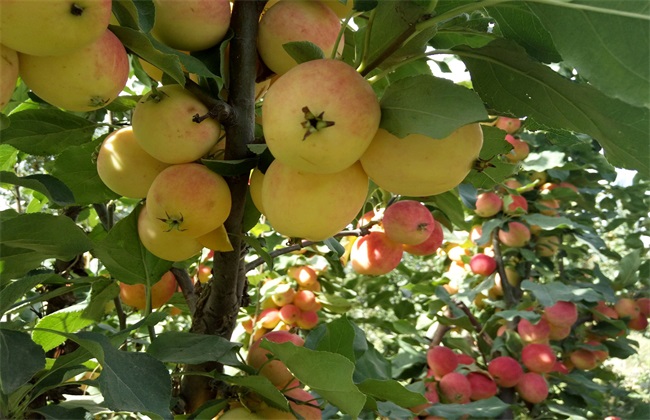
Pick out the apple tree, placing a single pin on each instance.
(323, 209)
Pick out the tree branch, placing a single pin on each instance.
(187, 287)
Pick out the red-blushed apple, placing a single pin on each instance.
(375, 254)
(304, 404)
(520, 149)
(626, 308)
(644, 306)
(538, 357)
(512, 184)
(597, 350)
(274, 370)
(547, 246)
(268, 318)
(289, 314)
(465, 359)
(455, 388)
(559, 332)
(534, 333)
(191, 25)
(203, 273)
(283, 294)
(532, 388)
(135, 295)
(430, 245)
(482, 264)
(307, 320)
(408, 222)
(305, 276)
(583, 359)
(505, 371)
(431, 394)
(306, 301)
(516, 235)
(248, 325)
(515, 204)
(561, 313)
(293, 21)
(82, 80)
(54, 27)
(509, 125)
(441, 360)
(560, 367)
(8, 74)
(483, 386)
(548, 207)
(488, 204)
(565, 184)
(639, 323)
(604, 311)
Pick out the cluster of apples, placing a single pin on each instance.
(301, 402)
(404, 226)
(291, 304)
(634, 312)
(63, 51)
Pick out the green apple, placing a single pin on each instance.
(83, 80)
(53, 27)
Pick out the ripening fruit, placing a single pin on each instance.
(299, 204)
(561, 313)
(305, 276)
(626, 307)
(255, 183)
(304, 404)
(482, 264)
(164, 244)
(306, 301)
(547, 246)
(283, 294)
(295, 21)
(53, 27)
(509, 125)
(307, 320)
(417, 165)
(644, 306)
(483, 387)
(538, 357)
(455, 388)
(520, 149)
(559, 332)
(188, 200)
(268, 318)
(548, 207)
(191, 25)
(135, 295)
(515, 204)
(275, 370)
(289, 314)
(320, 117)
(516, 235)
(216, 240)
(408, 222)
(583, 359)
(488, 204)
(505, 371)
(124, 167)
(375, 254)
(430, 245)
(341, 10)
(441, 361)
(532, 388)
(534, 333)
(82, 80)
(164, 127)
(8, 74)
(604, 311)
(239, 413)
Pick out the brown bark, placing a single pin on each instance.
(219, 302)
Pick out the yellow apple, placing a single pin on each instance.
(312, 206)
(216, 240)
(417, 165)
(255, 186)
(85, 79)
(164, 244)
(293, 21)
(320, 117)
(164, 127)
(191, 25)
(8, 74)
(53, 27)
(124, 167)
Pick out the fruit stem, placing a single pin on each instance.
(218, 109)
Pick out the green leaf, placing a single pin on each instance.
(334, 303)
(257, 246)
(55, 190)
(451, 206)
(629, 267)
(303, 51)
(390, 390)
(16, 289)
(56, 412)
(548, 294)
(262, 386)
(76, 168)
(43, 132)
(334, 246)
(337, 336)
(102, 292)
(17, 262)
(548, 222)
(67, 320)
(547, 159)
(126, 13)
(125, 257)
(53, 236)
(604, 30)
(430, 106)
(190, 348)
(129, 381)
(509, 81)
(497, 170)
(372, 364)
(20, 359)
(518, 22)
(8, 157)
(230, 167)
(490, 408)
(327, 374)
